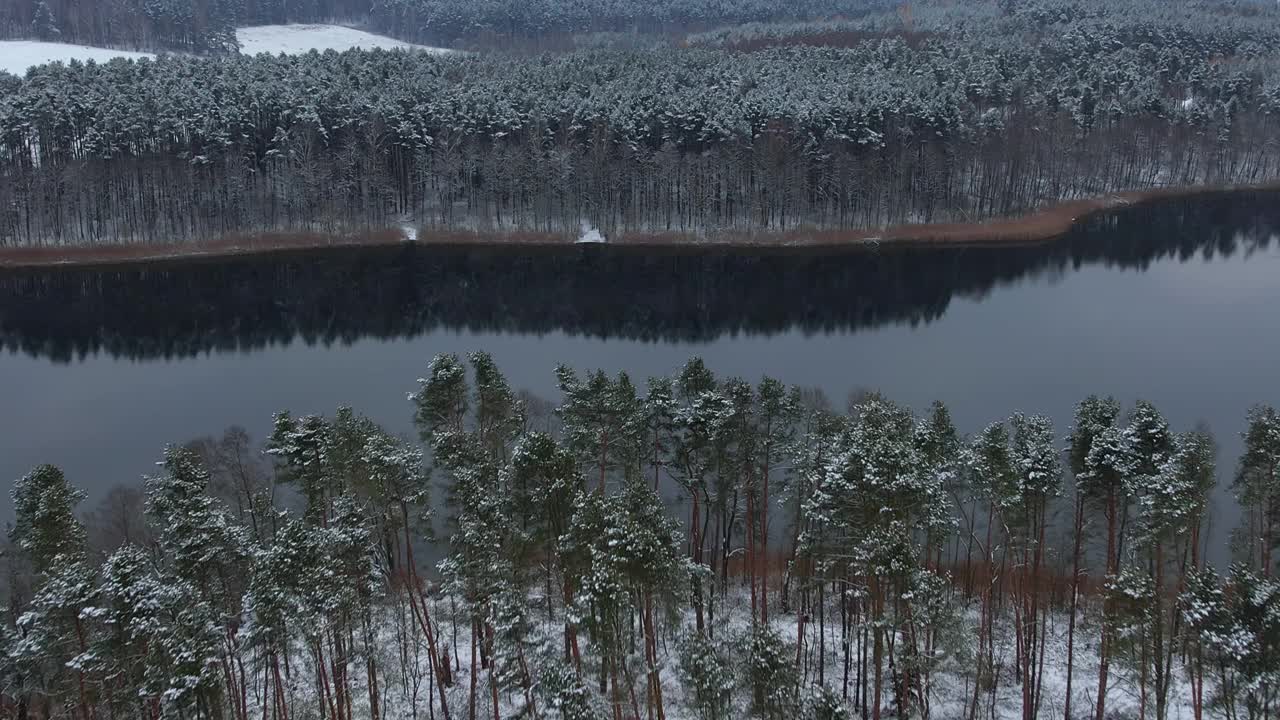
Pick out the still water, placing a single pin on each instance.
(1175, 303)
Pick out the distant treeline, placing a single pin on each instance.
(447, 21)
(209, 25)
(951, 127)
(1222, 28)
(185, 25)
(182, 309)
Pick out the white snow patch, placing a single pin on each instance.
(590, 234)
(16, 56)
(298, 39)
(410, 232)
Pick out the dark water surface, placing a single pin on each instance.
(1176, 303)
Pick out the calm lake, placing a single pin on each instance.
(1175, 303)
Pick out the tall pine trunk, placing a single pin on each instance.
(764, 536)
(1075, 599)
(1104, 645)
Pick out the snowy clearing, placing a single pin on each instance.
(16, 56)
(297, 39)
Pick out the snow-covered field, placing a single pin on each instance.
(294, 39)
(18, 55)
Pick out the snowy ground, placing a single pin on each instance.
(295, 39)
(18, 55)
(406, 692)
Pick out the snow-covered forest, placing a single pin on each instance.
(932, 112)
(208, 25)
(687, 547)
(199, 26)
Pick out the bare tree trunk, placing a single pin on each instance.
(822, 632)
(439, 666)
(1075, 599)
(877, 595)
(750, 527)
(282, 706)
(1142, 675)
(695, 551)
(493, 681)
(1197, 667)
(84, 696)
(846, 635)
(323, 677)
(651, 653)
(764, 537)
(1104, 646)
(617, 690)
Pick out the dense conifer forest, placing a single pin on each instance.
(930, 112)
(518, 560)
(679, 547)
(209, 25)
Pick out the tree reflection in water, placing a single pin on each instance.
(181, 309)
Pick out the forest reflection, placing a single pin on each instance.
(699, 293)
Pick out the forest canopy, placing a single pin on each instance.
(689, 546)
(209, 25)
(943, 113)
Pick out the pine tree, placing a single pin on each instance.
(563, 694)
(45, 25)
(477, 562)
(1170, 510)
(205, 549)
(1257, 482)
(656, 571)
(306, 450)
(702, 421)
(51, 636)
(940, 450)
(735, 486)
(824, 704)
(776, 416)
(45, 525)
(160, 646)
(273, 603)
(771, 675)
(441, 402)
(994, 477)
(625, 552)
(875, 497)
(544, 482)
(1238, 628)
(1109, 466)
(1092, 417)
(499, 415)
(1039, 471)
(816, 445)
(603, 423)
(707, 671)
(56, 634)
(660, 412)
